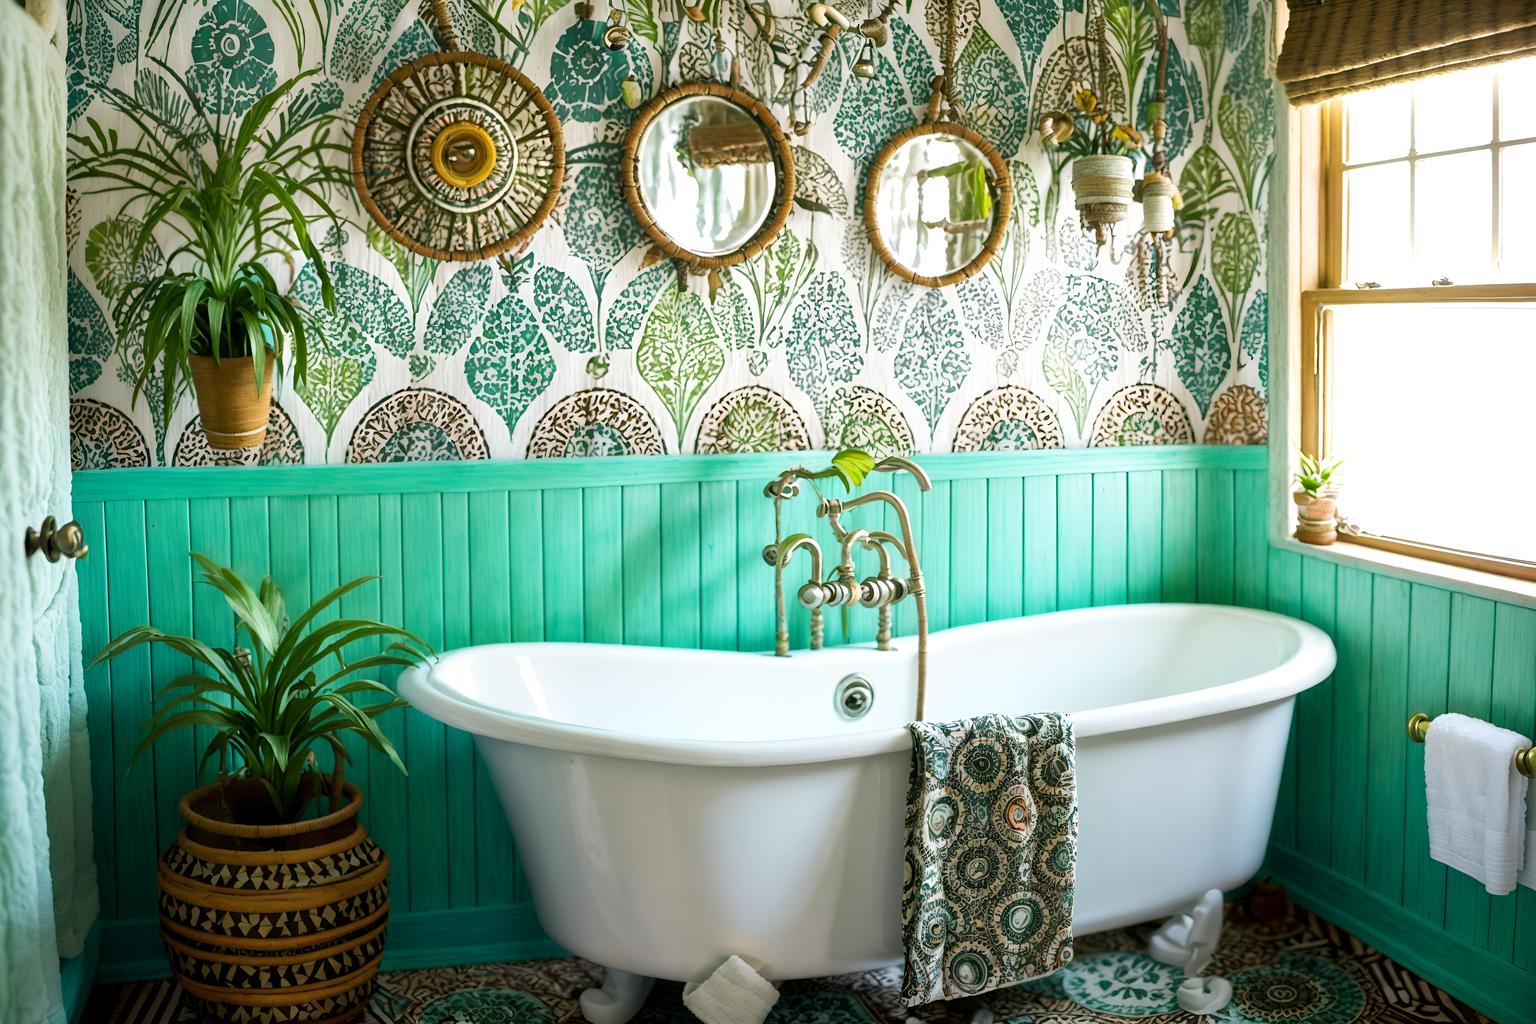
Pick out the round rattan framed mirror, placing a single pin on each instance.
(936, 203)
(707, 171)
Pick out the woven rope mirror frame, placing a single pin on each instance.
(779, 151)
(1002, 202)
(458, 156)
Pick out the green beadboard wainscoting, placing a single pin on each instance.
(1350, 837)
(640, 550)
(665, 549)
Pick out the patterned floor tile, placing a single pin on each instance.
(1286, 967)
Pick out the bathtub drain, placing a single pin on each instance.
(854, 697)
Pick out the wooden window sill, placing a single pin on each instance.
(1419, 570)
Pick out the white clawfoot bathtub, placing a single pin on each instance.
(673, 807)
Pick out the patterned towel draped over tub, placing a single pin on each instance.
(991, 840)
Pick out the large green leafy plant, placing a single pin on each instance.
(228, 190)
(270, 705)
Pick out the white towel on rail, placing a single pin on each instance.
(1476, 799)
(1527, 876)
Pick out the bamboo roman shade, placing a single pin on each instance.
(1338, 46)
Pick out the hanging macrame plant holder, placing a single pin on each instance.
(457, 155)
(1101, 186)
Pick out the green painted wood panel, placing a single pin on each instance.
(1039, 545)
(716, 594)
(358, 547)
(167, 536)
(490, 622)
(564, 608)
(601, 536)
(1429, 650)
(1144, 536)
(388, 813)
(91, 574)
(136, 846)
(1283, 573)
(1351, 721)
(459, 752)
(1386, 752)
(1284, 586)
(1250, 544)
(643, 568)
(1110, 538)
(1005, 548)
(1178, 535)
(680, 565)
(968, 552)
(1074, 541)
(426, 740)
(1215, 538)
(651, 552)
(1314, 722)
(211, 618)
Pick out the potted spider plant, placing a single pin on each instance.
(273, 899)
(212, 316)
(1316, 497)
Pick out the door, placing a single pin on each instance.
(45, 858)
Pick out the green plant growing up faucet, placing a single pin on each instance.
(843, 588)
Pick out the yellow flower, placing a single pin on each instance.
(1128, 135)
(1085, 100)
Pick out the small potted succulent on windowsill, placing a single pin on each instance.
(227, 191)
(1316, 497)
(271, 911)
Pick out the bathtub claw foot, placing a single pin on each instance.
(618, 998)
(1202, 996)
(1188, 940)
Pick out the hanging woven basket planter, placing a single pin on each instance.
(1102, 187)
(457, 155)
(273, 924)
(1157, 204)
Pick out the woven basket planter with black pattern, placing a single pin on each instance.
(274, 924)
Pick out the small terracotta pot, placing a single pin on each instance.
(1317, 517)
(234, 412)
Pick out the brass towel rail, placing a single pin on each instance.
(1525, 760)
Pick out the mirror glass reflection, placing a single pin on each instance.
(707, 174)
(933, 204)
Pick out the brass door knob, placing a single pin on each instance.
(55, 542)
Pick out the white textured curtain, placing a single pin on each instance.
(47, 879)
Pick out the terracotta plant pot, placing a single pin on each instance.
(273, 923)
(1317, 517)
(234, 412)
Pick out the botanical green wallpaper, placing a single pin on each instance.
(583, 350)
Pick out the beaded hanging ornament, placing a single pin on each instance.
(457, 155)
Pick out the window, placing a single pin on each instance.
(1418, 319)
